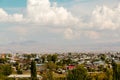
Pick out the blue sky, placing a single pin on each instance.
(59, 25)
(12, 3)
(23, 3)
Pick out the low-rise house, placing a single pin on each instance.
(23, 76)
(70, 67)
(40, 67)
(97, 63)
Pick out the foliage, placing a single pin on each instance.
(114, 66)
(50, 75)
(80, 73)
(101, 76)
(118, 71)
(43, 59)
(33, 71)
(5, 69)
(33, 55)
(9, 78)
(109, 74)
(90, 78)
(101, 67)
(3, 60)
(19, 71)
(103, 57)
(52, 58)
(51, 65)
(23, 79)
(60, 78)
(2, 77)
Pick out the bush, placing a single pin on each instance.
(5, 69)
(19, 71)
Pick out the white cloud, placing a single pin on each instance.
(43, 12)
(106, 18)
(92, 34)
(102, 18)
(5, 17)
(68, 33)
(39, 12)
(22, 31)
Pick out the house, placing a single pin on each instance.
(40, 67)
(97, 63)
(23, 76)
(70, 67)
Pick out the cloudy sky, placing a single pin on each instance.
(59, 25)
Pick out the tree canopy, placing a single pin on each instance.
(80, 73)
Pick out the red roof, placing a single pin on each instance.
(70, 67)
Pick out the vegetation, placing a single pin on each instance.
(5, 69)
(33, 70)
(52, 58)
(109, 74)
(51, 65)
(80, 73)
(116, 70)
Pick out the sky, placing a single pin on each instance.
(59, 25)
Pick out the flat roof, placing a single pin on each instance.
(22, 76)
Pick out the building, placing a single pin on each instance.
(23, 76)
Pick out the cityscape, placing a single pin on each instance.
(89, 66)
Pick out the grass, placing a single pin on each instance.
(56, 75)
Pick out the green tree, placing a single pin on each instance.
(33, 55)
(102, 57)
(19, 71)
(51, 65)
(90, 77)
(80, 73)
(101, 67)
(43, 59)
(49, 58)
(33, 71)
(50, 75)
(54, 58)
(2, 77)
(5, 69)
(116, 70)
(109, 74)
(114, 66)
(68, 61)
(3, 60)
